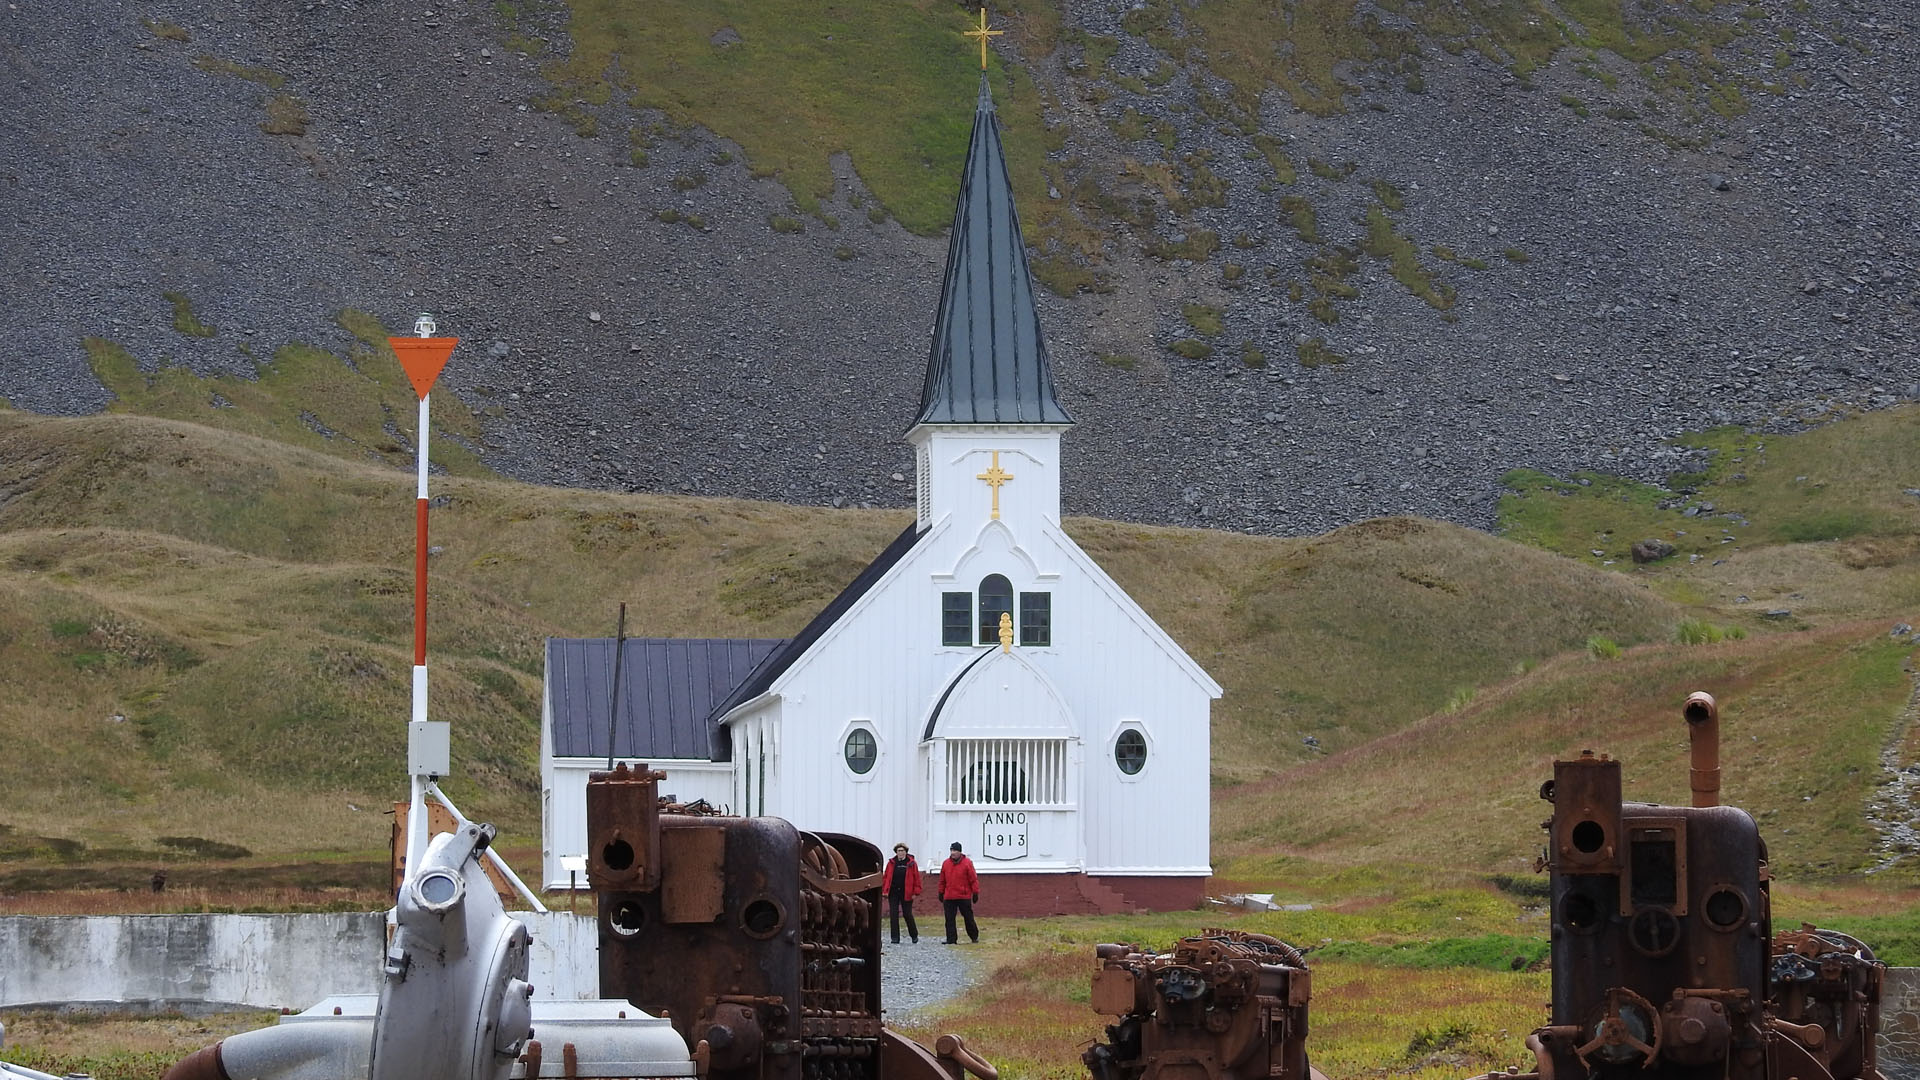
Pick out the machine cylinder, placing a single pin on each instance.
(1703, 739)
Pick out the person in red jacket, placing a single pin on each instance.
(959, 889)
(903, 884)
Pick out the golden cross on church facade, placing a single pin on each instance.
(982, 33)
(994, 477)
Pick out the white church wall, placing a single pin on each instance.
(550, 826)
(1157, 821)
(956, 456)
(756, 768)
(882, 668)
(862, 675)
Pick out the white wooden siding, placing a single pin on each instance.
(564, 801)
(884, 663)
(1052, 710)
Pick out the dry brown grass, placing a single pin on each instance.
(243, 608)
(178, 900)
(1031, 1015)
(208, 634)
(76, 1034)
(1355, 634)
(1460, 788)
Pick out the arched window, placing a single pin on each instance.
(996, 599)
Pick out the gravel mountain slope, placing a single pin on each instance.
(621, 330)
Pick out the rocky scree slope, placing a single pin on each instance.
(1608, 281)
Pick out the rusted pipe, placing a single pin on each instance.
(202, 1064)
(954, 1049)
(1543, 1061)
(1812, 1036)
(1703, 739)
(320, 1050)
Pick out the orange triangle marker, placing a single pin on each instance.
(423, 357)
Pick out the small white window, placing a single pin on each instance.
(860, 749)
(1130, 750)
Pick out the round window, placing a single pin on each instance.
(861, 750)
(1130, 751)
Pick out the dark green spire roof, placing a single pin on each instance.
(989, 365)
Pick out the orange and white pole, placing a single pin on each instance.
(422, 356)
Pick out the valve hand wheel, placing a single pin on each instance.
(1627, 1032)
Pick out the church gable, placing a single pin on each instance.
(999, 696)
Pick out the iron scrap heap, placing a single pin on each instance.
(1226, 1005)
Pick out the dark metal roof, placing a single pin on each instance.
(989, 364)
(796, 646)
(668, 687)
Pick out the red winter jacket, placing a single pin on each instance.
(957, 879)
(913, 878)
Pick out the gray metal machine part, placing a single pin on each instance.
(454, 1000)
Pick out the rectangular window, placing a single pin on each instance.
(956, 618)
(1007, 772)
(1036, 618)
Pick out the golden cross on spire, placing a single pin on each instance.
(994, 478)
(983, 34)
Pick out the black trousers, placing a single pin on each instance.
(895, 908)
(965, 908)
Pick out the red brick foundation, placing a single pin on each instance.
(1071, 894)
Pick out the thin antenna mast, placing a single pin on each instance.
(613, 699)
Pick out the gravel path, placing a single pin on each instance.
(915, 979)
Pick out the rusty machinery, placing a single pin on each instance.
(1225, 1005)
(759, 942)
(1664, 963)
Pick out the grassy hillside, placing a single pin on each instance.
(199, 623)
(1804, 718)
(204, 647)
(205, 633)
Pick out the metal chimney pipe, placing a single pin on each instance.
(1703, 738)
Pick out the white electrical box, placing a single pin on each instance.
(429, 748)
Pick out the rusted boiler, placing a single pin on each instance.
(1665, 966)
(1225, 1005)
(759, 942)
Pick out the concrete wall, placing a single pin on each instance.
(1900, 1024)
(142, 962)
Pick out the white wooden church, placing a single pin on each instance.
(982, 681)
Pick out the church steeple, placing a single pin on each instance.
(988, 364)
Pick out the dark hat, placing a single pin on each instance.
(956, 846)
